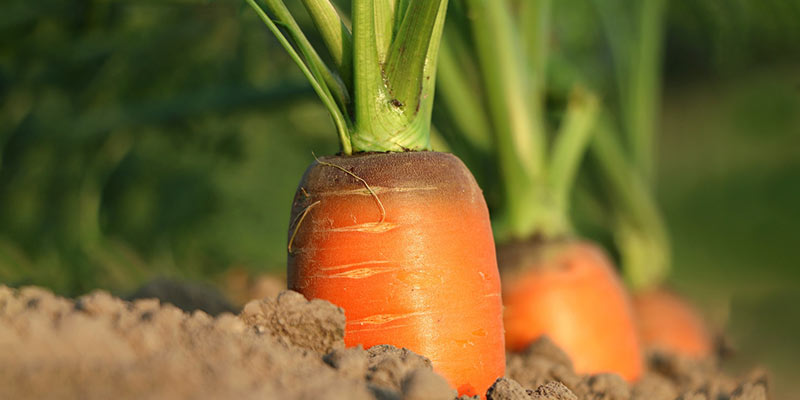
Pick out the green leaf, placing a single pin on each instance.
(571, 143)
(313, 76)
(384, 27)
(336, 35)
(332, 82)
(639, 230)
(460, 95)
(409, 54)
(383, 121)
(635, 35)
(534, 22)
(519, 132)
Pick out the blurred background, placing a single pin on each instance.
(165, 139)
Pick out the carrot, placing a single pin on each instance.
(396, 235)
(417, 270)
(570, 292)
(625, 159)
(554, 283)
(669, 323)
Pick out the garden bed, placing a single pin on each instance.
(99, 346)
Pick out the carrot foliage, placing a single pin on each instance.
(536, 167)
(379, 88)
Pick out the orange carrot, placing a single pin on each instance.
(397, 236)
(669, 323)
(552, 285)
(570, 292)
(402, 242)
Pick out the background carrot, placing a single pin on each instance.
(397, 236)
(623, 161)
(668, 323)
(564, 293)
(554, 283)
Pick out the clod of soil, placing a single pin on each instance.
(553, 391)
(668, 377)
(100, 347)
(315, 325)
(506, 389)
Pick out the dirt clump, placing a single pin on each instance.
(315, 325)
(751, 391)
(424, 384)
(668, 377)
(553, 391)
(506, 389)
(100, 347)
(509, 389)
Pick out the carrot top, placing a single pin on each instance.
(379, 88)
(536, 168)
(624, 148)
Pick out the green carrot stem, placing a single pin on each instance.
(337, 37)
(535, 16)
(333, 82)
(384, 27)
(635, 36)
(643, 99)
(393, 73)
(519, 132)
(393, 108)
(639, 229)
(404, 68)
(343, 125)
(644, 253)
(400, 12)
(570, 145)
(460, 97)
(636, 41)
(429, 70)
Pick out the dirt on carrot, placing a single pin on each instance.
(99, 347)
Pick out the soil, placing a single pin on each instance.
(99, 347)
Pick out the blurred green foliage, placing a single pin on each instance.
(143, 138)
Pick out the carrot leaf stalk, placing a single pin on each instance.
(460, 98)
(635, 37)
(570, 145)
(312, 73)
(380, 88)
(336, 35)
(639, 230)
(518, 132)
(536, 168)
(636, 47)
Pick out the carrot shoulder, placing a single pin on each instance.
(406, 250)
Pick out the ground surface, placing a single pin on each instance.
(99, 347)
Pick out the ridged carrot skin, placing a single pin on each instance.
(668, 323)
(411, 260)
(570, 292)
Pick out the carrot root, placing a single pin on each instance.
(570, 292)
(419, 271)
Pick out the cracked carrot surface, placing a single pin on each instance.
(417, 270)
